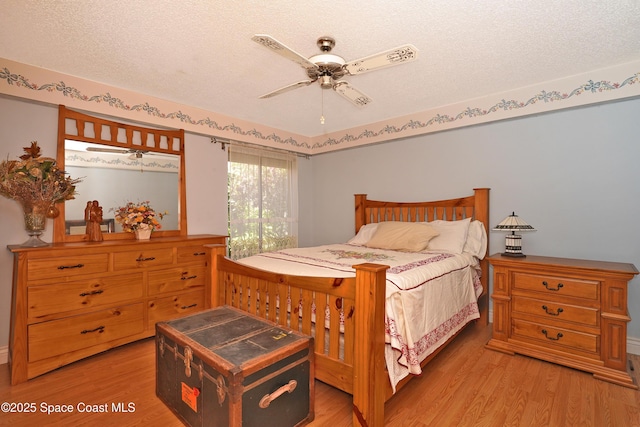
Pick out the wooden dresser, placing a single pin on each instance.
(73, 300)
(566, 311)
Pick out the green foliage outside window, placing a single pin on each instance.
(260, 205)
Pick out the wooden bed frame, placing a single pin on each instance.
(351, 359)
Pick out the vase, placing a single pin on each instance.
(35, 219)
(143, 234)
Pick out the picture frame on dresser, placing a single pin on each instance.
(572, 312)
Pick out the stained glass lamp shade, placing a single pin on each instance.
(513, 243)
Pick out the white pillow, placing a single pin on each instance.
(476, 243)
(452, 235)
(402, 236)
(365, 234)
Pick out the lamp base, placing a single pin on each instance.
(513, 246)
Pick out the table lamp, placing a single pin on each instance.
(513, 244)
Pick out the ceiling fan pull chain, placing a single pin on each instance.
(322, 107)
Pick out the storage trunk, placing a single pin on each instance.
(224, 367)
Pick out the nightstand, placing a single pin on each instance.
(567, 311)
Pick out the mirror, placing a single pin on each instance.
(119, 163)
(116, 176)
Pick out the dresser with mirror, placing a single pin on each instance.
(76, 297)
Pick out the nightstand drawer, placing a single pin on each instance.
(556, 338)
(556, 311)
(556, 285)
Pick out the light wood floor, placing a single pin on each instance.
(466, 385)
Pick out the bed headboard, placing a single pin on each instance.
(475, 207)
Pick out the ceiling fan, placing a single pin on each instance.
(329, 69)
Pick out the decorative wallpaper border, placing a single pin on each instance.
(475, 112)
(47, 86)
(111, 161)
(600, 86)
(35, 83)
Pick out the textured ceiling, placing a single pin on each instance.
(200, 53)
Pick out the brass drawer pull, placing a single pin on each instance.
(85, 294)
(184, 307)
(99, 329)
(63, 267)
(188, 277)
(199, 253)
(551, 313)
(268, 398)
(558, 335)
(546, 285)
(140, 259)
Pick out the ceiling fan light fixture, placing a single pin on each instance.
(326, 82)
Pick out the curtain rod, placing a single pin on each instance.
(224, 142)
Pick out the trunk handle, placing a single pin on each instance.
(268, 398)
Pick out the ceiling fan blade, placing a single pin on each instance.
(287, 88)
(396, 56)
(353, 95)
(282, 50)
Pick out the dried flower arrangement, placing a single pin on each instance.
(36, 182)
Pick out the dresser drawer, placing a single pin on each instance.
(556, 311)
(177, 279)
(47, 268)
(167, 308)
(559, 339)
(556, 285)
(56, 337)
(143, 258)
(192, 254)
(44, 300)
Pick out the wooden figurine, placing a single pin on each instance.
(93, 218)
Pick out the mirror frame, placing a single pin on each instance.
(150, 141)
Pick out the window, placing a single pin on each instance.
(263, 202)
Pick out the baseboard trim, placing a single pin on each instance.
(633, 345)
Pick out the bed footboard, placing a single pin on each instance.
(349, 341)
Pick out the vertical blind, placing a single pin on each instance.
(263, 201)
